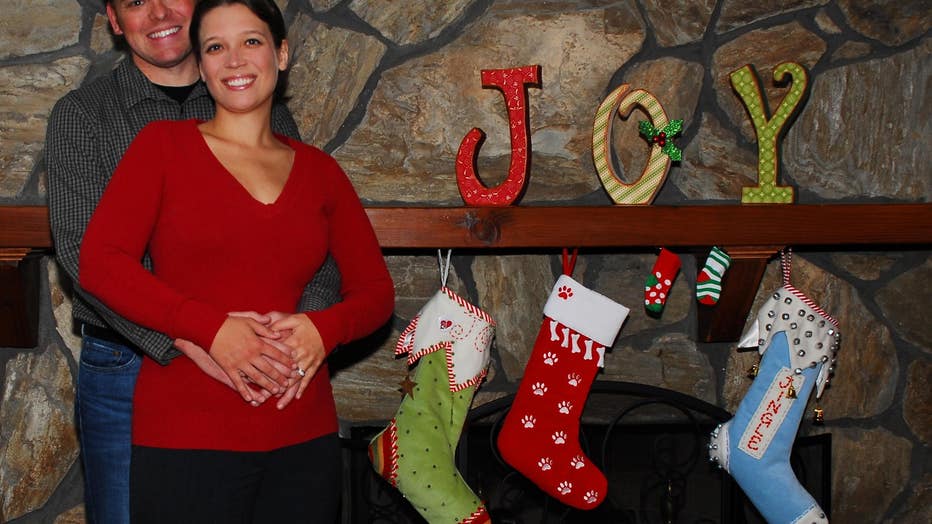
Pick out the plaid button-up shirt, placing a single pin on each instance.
(88, 131)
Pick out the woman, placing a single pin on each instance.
(235, 218)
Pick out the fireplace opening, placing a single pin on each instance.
(650, 443)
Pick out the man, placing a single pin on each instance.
(89, 130)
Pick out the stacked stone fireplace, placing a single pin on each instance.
(390, 89)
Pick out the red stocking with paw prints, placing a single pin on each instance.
(540, 435)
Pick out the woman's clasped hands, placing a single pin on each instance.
(261, 356)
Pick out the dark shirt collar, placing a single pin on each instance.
(136, 87)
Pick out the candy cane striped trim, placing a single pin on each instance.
(468, 306)
(454, 386)
(480, 516)
(413, 357)
(401, 346)
(392, 431)
(448, 356)
(786, 262)
(809, 302)
(646, 187)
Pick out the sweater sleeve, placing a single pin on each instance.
(116, 240)
(366, 286)
(75, 183)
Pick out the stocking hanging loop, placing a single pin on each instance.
(786, 263)
(444, 267)
(569, 263)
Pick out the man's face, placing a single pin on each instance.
(155, 30)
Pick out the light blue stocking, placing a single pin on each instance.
(798, 341)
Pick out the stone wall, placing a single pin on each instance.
(390, 89)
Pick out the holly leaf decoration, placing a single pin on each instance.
(647, 129)
(673, 128)
(663, 137)
(672, 151)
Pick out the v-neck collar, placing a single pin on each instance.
(240, 188)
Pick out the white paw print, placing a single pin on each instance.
(559, 437)
(550, 359)
(565, 407)
(565, 487)
(574, 379)
(578, 462)
(528, 421)
(539, 388)
(545, 464)
(591, 496)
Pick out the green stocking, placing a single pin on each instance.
(416, 452)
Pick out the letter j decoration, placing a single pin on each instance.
(513, 83)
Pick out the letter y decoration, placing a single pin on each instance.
(513, 84)
(744, 81)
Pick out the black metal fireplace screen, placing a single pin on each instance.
(651, 444)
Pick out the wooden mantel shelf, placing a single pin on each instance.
(751, 234)
(867, 225)
(634, 226)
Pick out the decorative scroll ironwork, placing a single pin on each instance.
(650, 442)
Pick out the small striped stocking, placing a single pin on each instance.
(709, 281)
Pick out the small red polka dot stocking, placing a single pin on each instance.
(540, 435)
(657, 286)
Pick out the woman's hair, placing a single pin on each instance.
(265, 10)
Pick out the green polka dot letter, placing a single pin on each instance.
(768, 131)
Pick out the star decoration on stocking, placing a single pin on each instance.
(407, 386)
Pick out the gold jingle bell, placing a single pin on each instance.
(752, 372)
(791, 392)
(818, 416)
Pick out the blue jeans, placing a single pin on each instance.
(104, 408)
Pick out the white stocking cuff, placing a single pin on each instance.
(585, 311)
(450, 323)
(812, 333)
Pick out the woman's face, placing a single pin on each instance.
(239, 61)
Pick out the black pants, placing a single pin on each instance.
(296, 484)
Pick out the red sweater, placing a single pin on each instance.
(216, 249)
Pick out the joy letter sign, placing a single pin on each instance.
(659, 131)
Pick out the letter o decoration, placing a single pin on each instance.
(645, 188)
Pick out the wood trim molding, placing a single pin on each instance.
(869, 225)
(670, 226)
(752, 234)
